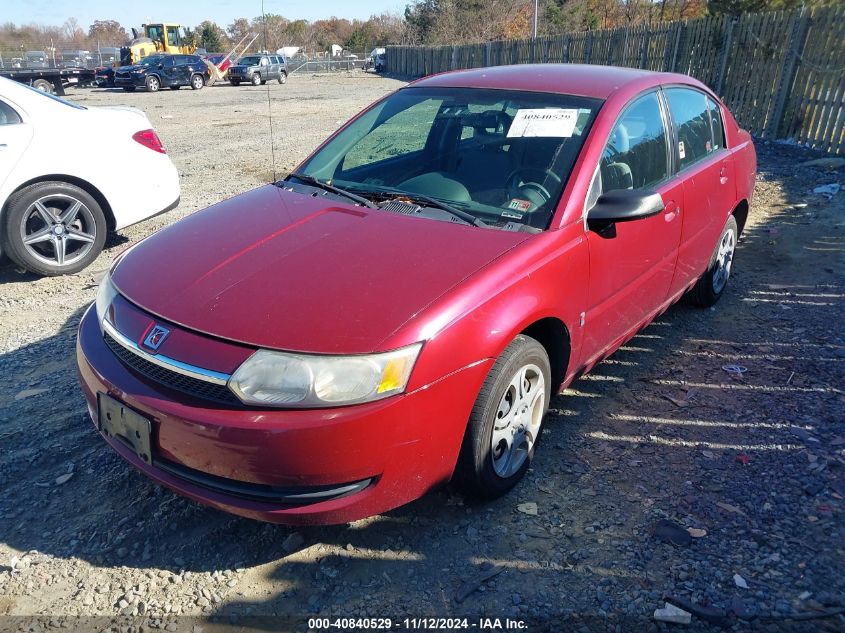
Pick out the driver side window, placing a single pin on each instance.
(635, 156)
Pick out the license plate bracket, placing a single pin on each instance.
(118, 421)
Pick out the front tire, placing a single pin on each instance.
(53, 228)
(153, 84)
(197, 82)
(283, 77)
(710, 288)
(256, 79)
(506, 421)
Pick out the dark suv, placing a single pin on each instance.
(259, 69)
(160, 71)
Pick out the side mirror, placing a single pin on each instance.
(623, 205)
(160, 66)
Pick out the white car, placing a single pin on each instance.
(69, 174)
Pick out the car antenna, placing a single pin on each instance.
(269, 105)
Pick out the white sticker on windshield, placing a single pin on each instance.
(551, 122)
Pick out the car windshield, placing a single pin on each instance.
(152, 60)
(502, 156)
(249, 61)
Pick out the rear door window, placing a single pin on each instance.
(635, 156)
(689, 112)
(717, 126)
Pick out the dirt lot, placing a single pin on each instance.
(755, 463)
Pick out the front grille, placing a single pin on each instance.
(171, 379)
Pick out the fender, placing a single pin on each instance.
(479, 318)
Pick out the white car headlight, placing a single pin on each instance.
(105, 295)
(284, 379)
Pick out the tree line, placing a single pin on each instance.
(423, 22)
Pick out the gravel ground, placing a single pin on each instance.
(658, 440)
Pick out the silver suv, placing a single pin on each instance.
(259, 69)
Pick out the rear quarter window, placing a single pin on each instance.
(692, 123)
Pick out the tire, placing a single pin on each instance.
(709, 289)
(43, 85)
(487, 469)
(129, 88)
(235, 82)
(153, 84)
(283, 77)
(255, 80)
(37, 238)
(197, 82)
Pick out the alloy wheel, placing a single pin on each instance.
(58, 230)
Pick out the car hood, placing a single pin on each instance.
(282, 270)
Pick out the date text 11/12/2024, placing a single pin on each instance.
(426, 623)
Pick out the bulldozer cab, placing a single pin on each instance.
(168, 38)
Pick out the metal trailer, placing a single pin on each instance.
(53, 80)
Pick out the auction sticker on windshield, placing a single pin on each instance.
(549, 122)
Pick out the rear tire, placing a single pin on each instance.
(197, 82)
(709, 289)
(153, 84)
(256, 80)
(53, 228)
(235, 82)
(506, 421)
(43, 85)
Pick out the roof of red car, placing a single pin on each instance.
(579, 79)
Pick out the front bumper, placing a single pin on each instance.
(137, 81)
(366, 459)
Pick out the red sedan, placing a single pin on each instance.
(398, 312)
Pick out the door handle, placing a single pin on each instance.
(671, 211)
(723, 176)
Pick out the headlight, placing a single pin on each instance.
(295, 380)
(105, 295)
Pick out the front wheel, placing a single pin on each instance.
(53, 228)
(713, 282)
(256, 79)
(153, 84)
(197, 82)
(505, 422)
(283, 77)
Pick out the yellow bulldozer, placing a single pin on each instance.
(157, 38)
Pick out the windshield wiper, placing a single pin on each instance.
(438, 204)
(314, 182)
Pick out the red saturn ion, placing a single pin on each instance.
(398, 311)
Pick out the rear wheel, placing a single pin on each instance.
(505, 422)
(256, 79)
(713, 282)
(235, 82)
(197, 82)
(53, 228)
(153, 84)
(43, 85)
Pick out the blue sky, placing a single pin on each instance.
(186, 12)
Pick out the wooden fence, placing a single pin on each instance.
(781, 73)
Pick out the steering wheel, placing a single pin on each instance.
(528, 182)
